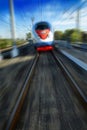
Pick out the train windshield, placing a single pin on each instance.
(41, 26)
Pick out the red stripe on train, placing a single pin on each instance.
(45, 48)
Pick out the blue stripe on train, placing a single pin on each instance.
(43, 44)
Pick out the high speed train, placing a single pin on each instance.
(42, 33)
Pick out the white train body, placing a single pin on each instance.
(43, 34)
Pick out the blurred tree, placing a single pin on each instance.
(58, 35)
(76, 36)
(67, 34)
(4, 43)
(71, 35)
(84, 37)
(28, 36)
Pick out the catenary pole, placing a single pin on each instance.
(12, 22)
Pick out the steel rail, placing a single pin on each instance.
(71, 80)
(13, 118)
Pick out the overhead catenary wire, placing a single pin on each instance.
(70, 11)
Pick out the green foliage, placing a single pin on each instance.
(76, 36)
(72, 35)
(58, 35)
(28, 36)
(67, 34)
(5, 43)
(20, 41)
(84, 37)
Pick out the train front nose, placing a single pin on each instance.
(43, 34)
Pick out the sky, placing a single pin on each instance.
(61, 14)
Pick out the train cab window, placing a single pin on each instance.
(42, 26)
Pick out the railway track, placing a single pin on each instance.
(78, 74)
(50, 103)
(72, 81)
(15, 113)
(12, 77)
